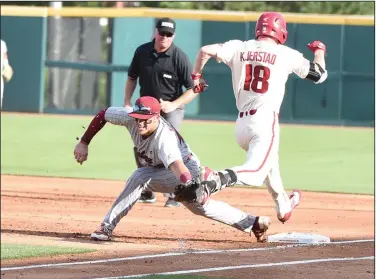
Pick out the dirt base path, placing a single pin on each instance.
(54, 211)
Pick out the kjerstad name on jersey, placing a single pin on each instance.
(258, 56)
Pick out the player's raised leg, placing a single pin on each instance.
(284, 203)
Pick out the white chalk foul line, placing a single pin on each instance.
(181, 254)
(241, 267)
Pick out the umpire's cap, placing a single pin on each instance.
(166, 24)
(146, 107)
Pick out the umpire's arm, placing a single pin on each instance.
(184, 74)
(133, 74)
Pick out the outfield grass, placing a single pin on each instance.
(18, 251)
(311, 158)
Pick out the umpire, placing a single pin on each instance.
(163, 69)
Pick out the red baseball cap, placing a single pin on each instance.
(146, 107)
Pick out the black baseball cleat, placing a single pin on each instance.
(172, 203)
(147, 197)
(102, 234)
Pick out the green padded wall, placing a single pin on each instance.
(126, 38)
(26, 42)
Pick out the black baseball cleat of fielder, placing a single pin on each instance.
(172, 203)
(102, 234)
(147, 197)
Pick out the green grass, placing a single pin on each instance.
(311, 158)
(18, 251)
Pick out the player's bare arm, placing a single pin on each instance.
(130, 86)
(203, 56)
(180, 171)
(185, 98)
(184, 71)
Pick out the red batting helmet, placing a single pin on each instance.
(272, 24)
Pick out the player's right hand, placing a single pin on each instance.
(81, 152)
(316, 45)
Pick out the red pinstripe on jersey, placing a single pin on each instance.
(268, 152)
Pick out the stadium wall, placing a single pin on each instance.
(346, 98)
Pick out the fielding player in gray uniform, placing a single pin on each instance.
(167, 162)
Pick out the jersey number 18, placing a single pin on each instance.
(256, 79)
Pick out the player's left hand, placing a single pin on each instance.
(200, 85)
(81, 152)
(167, 106)
(193, 192)
(316, 45)
(187, 192)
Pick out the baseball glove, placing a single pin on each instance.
(187, 192)
(194, 191)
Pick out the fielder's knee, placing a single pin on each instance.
(195, 208)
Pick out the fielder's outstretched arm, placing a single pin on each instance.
(180, 171)
(114, 115)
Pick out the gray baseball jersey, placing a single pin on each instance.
(161, 149)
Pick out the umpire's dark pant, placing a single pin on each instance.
(175, 118)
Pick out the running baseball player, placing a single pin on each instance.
(260, 69)
(167, 164)
(6, 69)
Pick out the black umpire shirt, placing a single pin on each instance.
(162, 75)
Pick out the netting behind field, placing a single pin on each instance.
(77, 39)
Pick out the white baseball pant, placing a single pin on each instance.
(258, 135)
